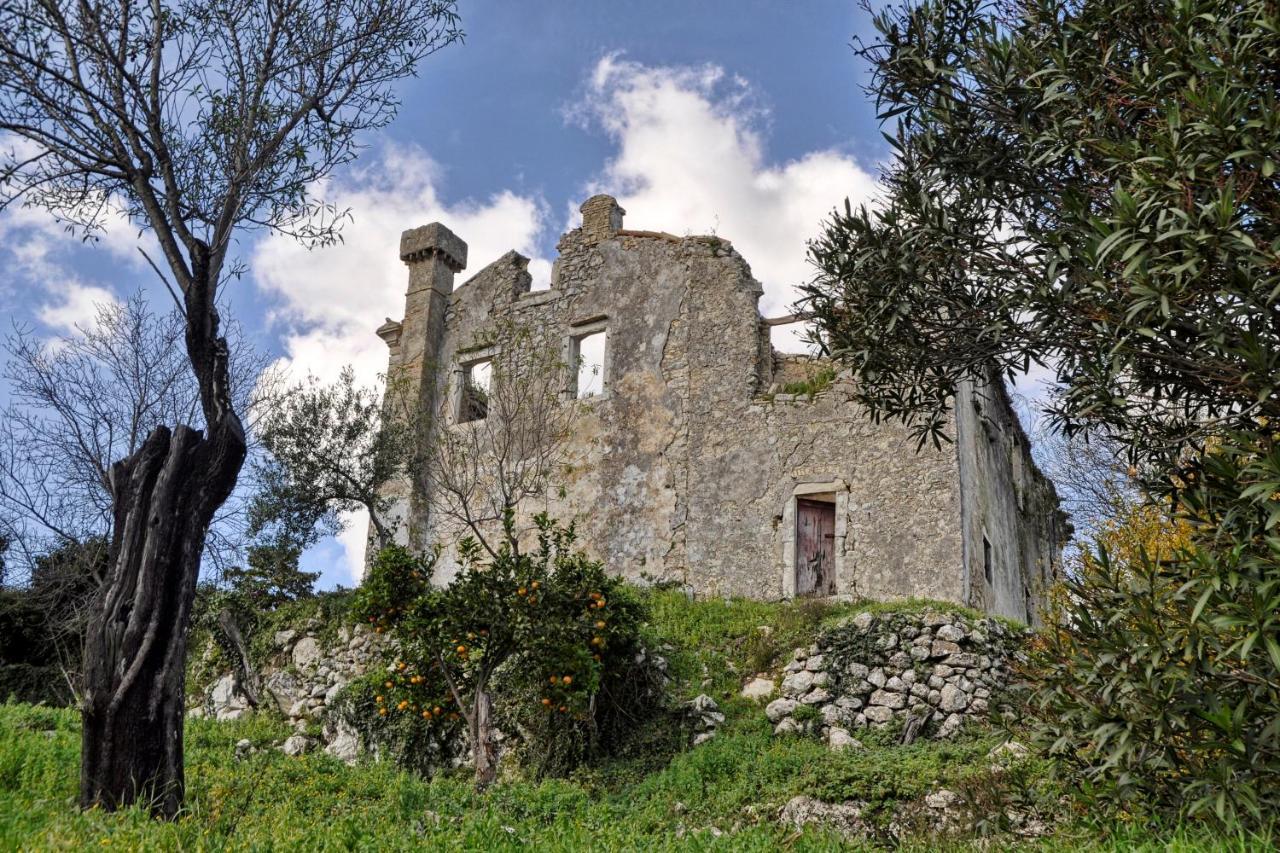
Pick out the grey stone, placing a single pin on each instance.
(285, 637)
(950, 726)
(877, 714)
(885, 699)
(941, 648)
(297, 745)
(857, 671)
(779, 708)
(839, 739)
(953, 699)
(814, 663)
(306, 653)
(863, 621)
(843, 818)
(758, 688)
(797, 683)
(816, 696)
(895, 685)
(950, 633)
(877, 678)
(787, 726)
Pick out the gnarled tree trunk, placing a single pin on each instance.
(483, 749)
(164, 498)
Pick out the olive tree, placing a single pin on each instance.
(1095, 188)
(201, 120)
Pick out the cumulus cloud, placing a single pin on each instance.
(329, 301)
(39, 274)
(691, 159)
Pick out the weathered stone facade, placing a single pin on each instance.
(693, 460)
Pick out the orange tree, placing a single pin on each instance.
(552, 615)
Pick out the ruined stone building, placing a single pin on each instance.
(709, 458)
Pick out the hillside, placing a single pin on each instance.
(725, 794)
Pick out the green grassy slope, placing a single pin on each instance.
(733, 785)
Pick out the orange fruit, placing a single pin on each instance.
(378, 699)
(546, 701)
(382, 712)
(462, 650)
(553, 679)
(568, 679)
(563, 709)
(521, 591)
(390, 684)
(535, 584)
(600, 623)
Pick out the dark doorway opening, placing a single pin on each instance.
(815, 547)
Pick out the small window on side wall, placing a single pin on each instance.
(473, 397)
(988, 560)
(587, 362)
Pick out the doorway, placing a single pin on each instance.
(815, 547)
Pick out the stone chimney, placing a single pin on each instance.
(434, 254)
(601, 218)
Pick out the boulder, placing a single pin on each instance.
(797, 683)
(839, 739)
(297, 745)
(845, 818)
(758, 689)
(953, 699)
(779, 708)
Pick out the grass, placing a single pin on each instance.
(734, 785)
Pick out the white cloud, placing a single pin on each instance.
(37, 247)
(690, 158)
(331, 300)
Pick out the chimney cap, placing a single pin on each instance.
(601, 217)
(427, 241)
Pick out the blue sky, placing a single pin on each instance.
(744, 119)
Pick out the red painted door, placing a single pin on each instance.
(815, 547)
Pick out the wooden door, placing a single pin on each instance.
(815, 547)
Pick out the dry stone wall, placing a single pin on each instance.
(302, 680)
(930, 672)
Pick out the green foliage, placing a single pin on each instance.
(42, 623)
(815, 384)
(562, 630)
(1162, 685)
(1094, 187)
(330, 448)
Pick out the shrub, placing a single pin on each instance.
(548, 632)
(1161, 686)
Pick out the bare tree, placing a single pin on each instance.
(201, 119)
(82, 400)
(498, 443)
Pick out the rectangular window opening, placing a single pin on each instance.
(588, 363)
(988, 560)
(473, 402)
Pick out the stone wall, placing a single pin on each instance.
(302, 679)
(1014, 528)
(690, 463)
(931, 672)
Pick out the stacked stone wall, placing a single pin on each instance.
(929, 672)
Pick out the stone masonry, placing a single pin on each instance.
(706, 455)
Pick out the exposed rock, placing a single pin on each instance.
(297, 745)
(839, 739)
(285, 637)
(845, 818)
(758, 689)
(797, 683)
(307, 652)
(953, 699)
(814, 663)
(779, 708)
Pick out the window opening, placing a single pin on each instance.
(988, 559)
(474, 402)
(588, 359)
